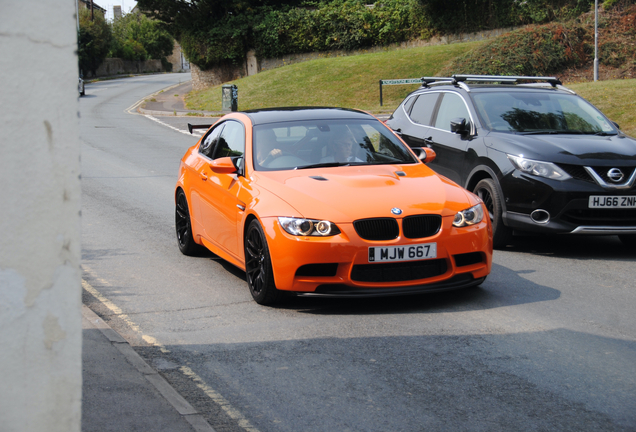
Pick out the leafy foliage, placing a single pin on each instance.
(93, 40)
(551, 48)
(337, 25)
(137, 37)
(456, 16)
(531, 51)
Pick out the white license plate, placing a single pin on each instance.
(600, 201)
(403, 253)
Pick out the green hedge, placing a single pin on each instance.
(325, 25)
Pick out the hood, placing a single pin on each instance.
(590, 150)
(344, 194)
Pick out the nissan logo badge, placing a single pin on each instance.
(615, 175)
(396, 211)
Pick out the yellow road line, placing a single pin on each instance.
(209, 391)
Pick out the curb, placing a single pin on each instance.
(177, 401)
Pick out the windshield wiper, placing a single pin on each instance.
(603, 133)
(552, 132)
(323, 165)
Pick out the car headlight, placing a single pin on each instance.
(538, 168)
(308, 227)
(472, 216)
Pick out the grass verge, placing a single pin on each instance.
(351, 81)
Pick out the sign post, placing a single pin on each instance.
(399, 82)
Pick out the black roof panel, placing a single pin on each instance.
(274, 115)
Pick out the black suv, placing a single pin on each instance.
(542, 158)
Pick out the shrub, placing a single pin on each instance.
(536, 51)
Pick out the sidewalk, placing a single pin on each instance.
(169, 102)
(121, 392)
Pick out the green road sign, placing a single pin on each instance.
(402, 81)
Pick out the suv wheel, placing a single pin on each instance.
(489, 194)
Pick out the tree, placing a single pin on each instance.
(94, 40)
(211, 32)
(137, 37)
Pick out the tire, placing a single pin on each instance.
(258, 266)
(487, 190)
(183, 227)
(628, 240)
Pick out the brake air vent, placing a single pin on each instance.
(421, 226)
(377, 228)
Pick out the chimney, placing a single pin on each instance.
(116, 12)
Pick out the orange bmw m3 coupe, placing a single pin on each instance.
(327, 202)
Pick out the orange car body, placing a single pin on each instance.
(223, 200)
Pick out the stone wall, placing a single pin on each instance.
(213, 77)
(116, 66)
(202, 79)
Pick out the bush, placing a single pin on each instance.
(337, 25)
(536, 51)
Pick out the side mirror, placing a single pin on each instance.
(425, 154)
(616, 124)
(224, 165)
(459, 125)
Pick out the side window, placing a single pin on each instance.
(452, 106)
(423, 108)
(231, 142)
(207, 145)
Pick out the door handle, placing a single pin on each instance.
(428, 141)
(204, 176)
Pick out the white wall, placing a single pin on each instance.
(40, 294)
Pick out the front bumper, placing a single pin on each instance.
(566, 202)
(339, 266)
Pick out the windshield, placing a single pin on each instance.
(540, 112)
(326, 143)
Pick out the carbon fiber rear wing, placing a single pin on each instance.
(191, 127)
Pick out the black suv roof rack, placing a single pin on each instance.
(503, 79)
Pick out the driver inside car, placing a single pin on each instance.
(267, 147)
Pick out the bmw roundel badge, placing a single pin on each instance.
(396, 211)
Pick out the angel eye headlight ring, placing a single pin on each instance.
(308, 227)
(468, 217)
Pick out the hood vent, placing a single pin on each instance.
(319, 178)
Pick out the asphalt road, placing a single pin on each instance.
(547, 343)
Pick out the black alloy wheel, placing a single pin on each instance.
(489, 194)
(258, 266)
(183, 226)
